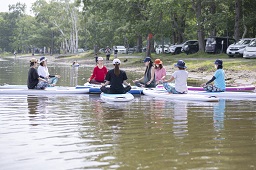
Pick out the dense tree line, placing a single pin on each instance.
(64, 26)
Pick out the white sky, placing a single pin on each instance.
(5, 3)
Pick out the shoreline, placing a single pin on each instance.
(233, 78)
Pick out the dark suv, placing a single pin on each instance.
(218, 45)
(190, 47)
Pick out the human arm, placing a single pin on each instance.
(106, 83)
(166, 81)
(152, 76)
(138, 80)
(125, 83)
(93, 74)
(213, 78)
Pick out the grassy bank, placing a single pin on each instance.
(199, 62)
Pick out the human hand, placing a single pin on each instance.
(88, 80)
(204, 84)
(58, 76)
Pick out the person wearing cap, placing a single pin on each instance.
(116, 78)
(148, 80)
(180, 76)
(44, 73)
(34, 81)
(160, 71)
(219, 84)
(99, 73)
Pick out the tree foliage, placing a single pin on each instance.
(67, 25)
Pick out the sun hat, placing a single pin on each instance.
(147, 59)
(100, 58)
(158, 61)
(116, 61)
(33, 60)
(180, 64)
(218, 62)
(42, 59)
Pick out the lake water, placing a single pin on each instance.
(81, 132)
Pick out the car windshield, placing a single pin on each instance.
(252, 44)
(210, 41)
(243, 42)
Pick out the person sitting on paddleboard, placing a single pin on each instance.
(180, 76)
(99, 73)
(148, 80)
(218, 79)
(116, 78)
(34, 81)
(160, 71)
(44, 73)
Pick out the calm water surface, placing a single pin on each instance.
(81, 132)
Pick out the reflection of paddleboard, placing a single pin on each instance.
(116, 97)
(227, 95)
(47, 91)
(163, 94)
(95, 88)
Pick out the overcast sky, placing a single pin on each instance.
(4, 4)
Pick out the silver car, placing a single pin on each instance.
(238, 48)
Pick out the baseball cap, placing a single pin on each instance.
(100, 58)
(42, 59)
(116, 61)
(147, 59)
(218, 62)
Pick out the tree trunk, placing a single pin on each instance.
(213, 12)
(197, 6)
(238, 8)
(139, 44)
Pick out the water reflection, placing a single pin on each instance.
(37, 105)
(218, 115)
(74, 76)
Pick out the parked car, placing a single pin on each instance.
(218, 45)
(238, 48)
(250, 50)
(80, 50)
(159, 49)
(176, 49)
(121, 49)
(190, 47)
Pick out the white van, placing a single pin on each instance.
(250, 50)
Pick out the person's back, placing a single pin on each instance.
(181, 77)
(32, 78)
(116, 81)
(220, 79)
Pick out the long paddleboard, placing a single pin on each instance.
(163, 94)
(47, 91)
(227, 95)
(95, 88)
(116, 97)
(229, 89)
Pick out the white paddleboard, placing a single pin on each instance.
(227, 95)
(116, 97)
(47, 91)
(163, 94)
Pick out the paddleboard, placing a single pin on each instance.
(229, 89)
(163, 94)
(116, 97)
(95, 88)
(227, 95)
(47, 91)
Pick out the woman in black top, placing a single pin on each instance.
(116, 78)
(33, 77)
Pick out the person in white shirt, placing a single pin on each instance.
(180, 76)
(44, 73)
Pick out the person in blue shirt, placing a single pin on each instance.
(218, 79)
